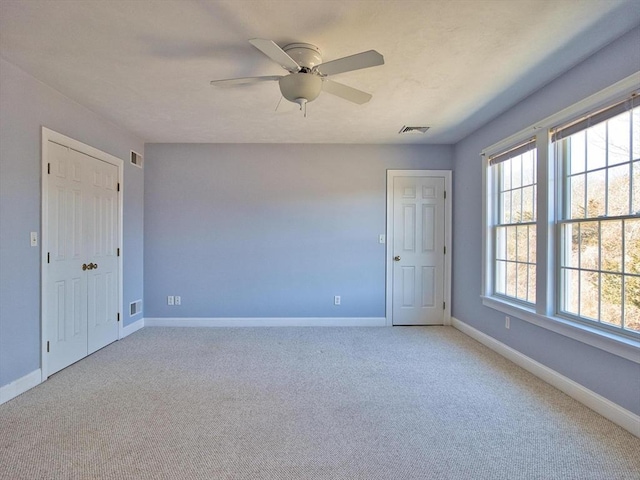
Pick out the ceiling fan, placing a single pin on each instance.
(307, 75)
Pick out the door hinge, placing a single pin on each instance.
(48, 169)
(117, 252)
(48, 257)
(445, 250)
(118, 186)
(444, 305)
(47, 346)
(445, 194)
(118, 316)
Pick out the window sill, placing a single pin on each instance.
(621, 346)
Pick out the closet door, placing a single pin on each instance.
(101, 246)
(82, 281)
(66, 288)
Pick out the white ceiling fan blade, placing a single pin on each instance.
(348, 93)
(275, 53)
(229, 82)
(367, 59)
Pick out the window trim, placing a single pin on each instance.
(618, 345)
(495, 160)
(543, 315)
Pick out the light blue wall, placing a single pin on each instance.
(270, 230)
(610, 376)
(25, 105)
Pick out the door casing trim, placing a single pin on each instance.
(50, 135)
(391, 175)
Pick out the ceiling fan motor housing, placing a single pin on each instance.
(297, 87)
(304, 54)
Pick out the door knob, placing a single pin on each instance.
(94, 265)
(84, 266)
(397, 258)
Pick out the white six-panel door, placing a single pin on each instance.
(81, 290)
(66, 290)
(417, 242)
(101, 239)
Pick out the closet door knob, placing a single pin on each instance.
(397, 258)
(84, 266)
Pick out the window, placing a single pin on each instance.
(562, 219)
(599, 218)
(515, 229)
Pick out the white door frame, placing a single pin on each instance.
(391, 175)
(50, 135)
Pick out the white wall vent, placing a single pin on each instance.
(135, 308)
(406, 129)
(136, 159)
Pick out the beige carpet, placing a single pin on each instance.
(305, 403)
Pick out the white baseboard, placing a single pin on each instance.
(20, 385)
(132, 327)
(267, 322)
(612, 411)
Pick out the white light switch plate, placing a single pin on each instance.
(34, 239)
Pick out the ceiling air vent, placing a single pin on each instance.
(136, 159)
(406, 129)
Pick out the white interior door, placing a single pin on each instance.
(82, 287)
(418, 250)
(66, 289)
(101, 244)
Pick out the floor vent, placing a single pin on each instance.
(406, 129)
(135, 308)
(136, 159)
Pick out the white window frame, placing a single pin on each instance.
(543, 313)
(495, 212)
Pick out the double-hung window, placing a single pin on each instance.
(599, 217)
(562, 218)
(515, 230)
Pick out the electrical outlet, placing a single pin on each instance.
(178, 300)
(170, 300)
(336, 300)
(507, 322)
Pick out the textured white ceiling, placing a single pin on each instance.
(449, 64)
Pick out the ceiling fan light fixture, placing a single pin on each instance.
(300, 87)
(307, 72)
